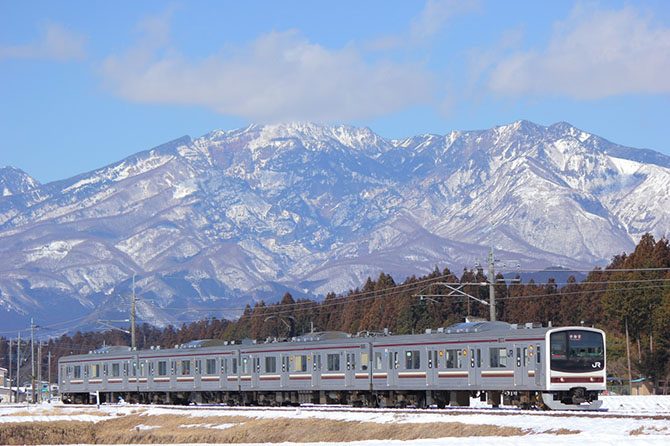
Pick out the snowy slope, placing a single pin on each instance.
(240, 215)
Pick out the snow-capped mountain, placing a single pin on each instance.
(15, 181)
(216, 222)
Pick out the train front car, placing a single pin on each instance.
(576, 366)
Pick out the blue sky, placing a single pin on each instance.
(86, 83)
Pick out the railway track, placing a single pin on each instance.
(381, 411)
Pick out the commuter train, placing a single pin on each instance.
(522, 365)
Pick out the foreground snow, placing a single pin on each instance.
(629, 420)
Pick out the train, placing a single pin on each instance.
(523, 365)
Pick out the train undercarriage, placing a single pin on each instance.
(575, 399)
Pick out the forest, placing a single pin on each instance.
(633, 291)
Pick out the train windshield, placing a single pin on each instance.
(577, 351)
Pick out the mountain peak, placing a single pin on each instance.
(14, 181)
(312, 136)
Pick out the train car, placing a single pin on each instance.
(523, 365)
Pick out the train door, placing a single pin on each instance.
(284, 370)
(433, 366)
(316, 370)
(538, 365)
(255, 370)
(350, 369)
(393, 362)
(521, 355)
(475, 357)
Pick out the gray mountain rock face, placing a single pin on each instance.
(213, 223)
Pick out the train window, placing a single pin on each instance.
(365, 360)
(105, 369)
(538, 355)
(198, 366)
(351, 361)
(525, 356)
(518, 357)
(270, 364)
(151, 368)
(224, 365)
(436, 359)
(284, 365)
(498, 357)
(116, 370)
(559, 345)
(450, 358)
(134, 369)
(245, 365)
(125, 369)
(86, 370)
(333, 362)
(162, 368)
(378, 361)
(95, 371)
(186, 367)
(479, 357)
(234, 365)
(396, 363)
(412, 359)
(173, 367)
(210, 365)
(472, 358)
(299, 363)
(77, 371)
(316, 362)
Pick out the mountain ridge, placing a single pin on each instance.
(245, 214)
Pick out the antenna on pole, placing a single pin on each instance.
(132, 317)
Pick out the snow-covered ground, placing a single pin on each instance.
(628, 420)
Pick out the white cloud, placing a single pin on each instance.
(278, 76)
(436, 14)
(428, 22)
(56, 43)
(594, 54)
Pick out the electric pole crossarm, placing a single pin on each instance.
(456, 290)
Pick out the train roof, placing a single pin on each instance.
(469, 329)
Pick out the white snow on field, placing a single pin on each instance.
(629, 420)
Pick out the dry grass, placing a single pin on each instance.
(55, 432)
(244, 430)
(649, 430)
(562, 431)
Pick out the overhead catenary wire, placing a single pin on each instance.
(356, 297)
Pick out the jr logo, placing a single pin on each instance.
(596, 365)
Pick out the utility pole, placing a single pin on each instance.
(18, 366)
(32, 357)
(10, 370)
(49, 372)
(492, 287)
(39, 370)
(630, 374)
(132, 317)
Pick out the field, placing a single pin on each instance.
(628, 420)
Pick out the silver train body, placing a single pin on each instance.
(526, 365)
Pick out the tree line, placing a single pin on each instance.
(633, 291)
